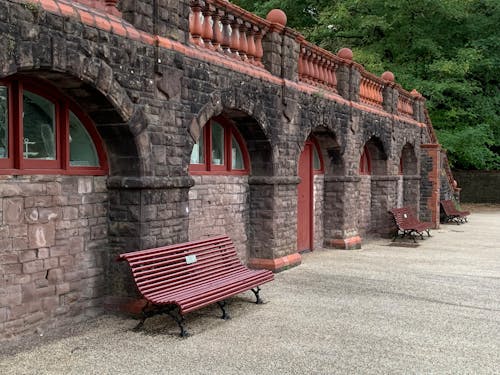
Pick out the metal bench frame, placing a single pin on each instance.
(451, 214)
(408, 224)
(184, 277)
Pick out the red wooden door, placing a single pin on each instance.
(305, 200)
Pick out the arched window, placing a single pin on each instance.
(43, 132)
(365, 162)
(219, 150)
(316, 157)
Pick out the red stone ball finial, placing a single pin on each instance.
(415, 93)
(277, 16)
(388, 76)
(345, 53)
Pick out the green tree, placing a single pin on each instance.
(449, 50)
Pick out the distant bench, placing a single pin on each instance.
(452, 214)
(408, 224)
(181, 278)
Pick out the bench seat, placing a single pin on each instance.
(185, 277)
(451, 213)
(408, 224)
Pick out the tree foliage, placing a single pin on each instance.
(449, 50)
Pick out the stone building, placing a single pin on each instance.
(142, 123)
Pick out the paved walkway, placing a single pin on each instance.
(384, 309)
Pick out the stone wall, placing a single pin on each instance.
(478, 186)
(319, 192)
(219, 205)
(364, 205)
(53, 236)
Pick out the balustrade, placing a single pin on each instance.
(371, 89)
(227, 29)
(405, 104)
(317, 66)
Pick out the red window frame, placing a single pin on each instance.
(15, 163)
(365, 165)
(224, 169)
(316, 148)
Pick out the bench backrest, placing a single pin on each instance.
(175, 266)
(449, 207)
(404, 216)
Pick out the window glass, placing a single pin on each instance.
(217, 144)
(316, 161)
(38, 127)
(198, 153)
(4, 122)
(236, 155)
(82, 151)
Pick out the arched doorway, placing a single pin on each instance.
(309, 164)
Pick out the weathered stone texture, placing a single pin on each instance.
(55, 255)
(219, 205)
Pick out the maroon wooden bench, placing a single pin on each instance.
(408, 224)
(452, 214)
(181, 278)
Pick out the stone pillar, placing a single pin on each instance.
(348, 76)
(384, 190)
(280, 48)
(273, 223)
(341, 212)
(144, 213)
(161, 17)
(430, 184)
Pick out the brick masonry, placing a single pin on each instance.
(149, 93)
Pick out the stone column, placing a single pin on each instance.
(161, 17)
(144, 213)
(341, 212)
(273, 222)
(384, 196)
(348, 76)
(280, 48)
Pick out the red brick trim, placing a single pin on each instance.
(434, 152)
(350, 243)
(276, 265)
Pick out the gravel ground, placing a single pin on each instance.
(388, 308)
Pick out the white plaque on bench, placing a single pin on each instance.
(190, 259)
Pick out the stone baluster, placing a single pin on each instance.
(251, 44)
(226, 34)
(235, 38)
(259, 51)
(243, 46)
(196, 26)
(207, 29)
(217, 31)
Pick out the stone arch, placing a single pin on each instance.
(118, 121)
(227, 204)
(250, 121)
(377, 155)
(327, 189)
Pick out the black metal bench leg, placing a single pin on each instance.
(256, 292)
(179, 319)
(222, 305)
(144, 316)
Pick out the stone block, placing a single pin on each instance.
(41, 235)
(13, 210)
(33, 266)
(27, 255)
